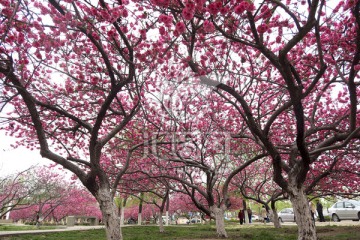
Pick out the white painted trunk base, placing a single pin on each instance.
(110, 220)
(219, 219)
(139, 219)
(306, 226)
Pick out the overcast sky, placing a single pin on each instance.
(15, 160)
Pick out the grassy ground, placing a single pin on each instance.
(200, 232)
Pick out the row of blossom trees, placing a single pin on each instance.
(42, 192)
(186, 96)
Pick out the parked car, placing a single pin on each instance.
(164, 220)
(286, 215)
(345, 210)
(194, 220)
(255, 217)
(131, 221)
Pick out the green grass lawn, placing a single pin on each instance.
(253, 232)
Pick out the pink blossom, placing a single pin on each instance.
(262, 28)
(190, 6)
(224, 10)
(199, 2)
(162, 31)
(143, 33)
(180, 27)
(214, 8)
(21, 38)
(208, 26)
(124, 13)
(163, 18)
(349, 4)
(124, 29)
(161, 3)
(265, 12)
(239, 9)
(329, 58)
(68, 16)
(251, 7)
(167, 20)
(243, 6)
(278, 39)
(187, 13)
(111, 33)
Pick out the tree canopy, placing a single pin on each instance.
(103, 88)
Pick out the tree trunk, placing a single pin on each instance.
(140, 208)
(122, 212)
(108, 210)
(276, 221)
(162, 207)
(167, 210)
(139, 218)
(8, 215)
(167, 218)
(219, 219)
(161, 224)
(246, 216)
(122, 215)
(306, 226)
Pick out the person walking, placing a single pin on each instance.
(241, 216)
(37, 220)
(319, 209)
(312, 210)
(249, 212)
(264, 214)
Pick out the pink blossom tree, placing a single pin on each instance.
(149, 190)
(282, 79)
(289, 71)
(53, 198)
(255, 184)
(14, 190)
(201, 159)
(71, 83)
(73, 201)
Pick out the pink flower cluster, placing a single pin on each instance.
(244, 6)
(349, 4)
(180, 27)
(161, 3)
(208, 26)
(265, 12)
(162, 31)
(199, 3)
(167, 20)
(143, 33)
(214, 8)
(262, 28)
(189, 10)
